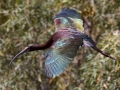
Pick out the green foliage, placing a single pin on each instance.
(31, 21)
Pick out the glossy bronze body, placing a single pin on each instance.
(64, 43)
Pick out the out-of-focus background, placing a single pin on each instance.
(24, 22)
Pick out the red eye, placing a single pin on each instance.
(57, 21)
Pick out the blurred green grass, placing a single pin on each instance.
(31, 21)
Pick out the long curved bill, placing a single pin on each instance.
(20, 53)
(103, 53)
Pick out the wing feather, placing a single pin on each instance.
(60, 55)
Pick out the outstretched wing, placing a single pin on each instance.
(60, 55)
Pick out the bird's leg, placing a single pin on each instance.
(103, 53)
(88, 41)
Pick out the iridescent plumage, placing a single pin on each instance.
(61, 53)
(64, 43)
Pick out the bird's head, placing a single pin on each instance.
(68, 18)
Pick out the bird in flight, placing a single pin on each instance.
(63, 45)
